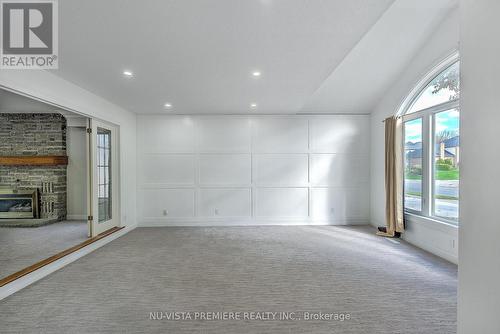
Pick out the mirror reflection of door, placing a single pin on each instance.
(104, 169)
(104, 175)
(44, 182)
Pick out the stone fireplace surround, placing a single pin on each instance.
(36, 135)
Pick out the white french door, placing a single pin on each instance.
(104, 177)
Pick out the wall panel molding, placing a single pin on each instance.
(253, 170)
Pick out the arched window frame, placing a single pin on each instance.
(428, 147)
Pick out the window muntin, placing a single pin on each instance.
(104, 174)
(443, 88)
(413, 160)
(434, 110)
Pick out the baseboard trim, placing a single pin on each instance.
(33, 276)
(236, 222)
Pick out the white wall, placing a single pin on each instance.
(436, 238)
(234, 170)
(76, 173)
(52, 89)
(479, 263)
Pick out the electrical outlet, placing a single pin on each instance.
(216, 212)
(165, 212)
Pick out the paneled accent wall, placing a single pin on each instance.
(236, 170)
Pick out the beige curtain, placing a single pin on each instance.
(393, 177)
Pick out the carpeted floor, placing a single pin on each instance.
(384, 286)
(21, 247)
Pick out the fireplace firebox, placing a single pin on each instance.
(18, 203)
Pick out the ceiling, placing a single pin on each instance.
(374, 64)
(199, 55)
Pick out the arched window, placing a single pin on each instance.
(432, 145)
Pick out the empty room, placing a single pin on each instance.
(250, 166)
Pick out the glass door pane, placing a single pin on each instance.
(413, 165)
(104, 175)
(446, 164)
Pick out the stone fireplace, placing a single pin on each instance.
(33, 137)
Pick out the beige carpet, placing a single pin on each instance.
(384, 287)
(21, 247)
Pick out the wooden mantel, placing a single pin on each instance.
(34, 160)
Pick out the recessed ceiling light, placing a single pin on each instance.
(253, 105)
(256, 74)
(128, 74)
(167, 105)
